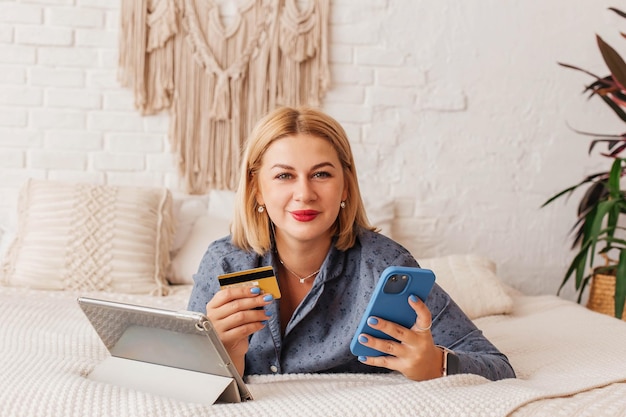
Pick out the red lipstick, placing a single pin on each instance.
(304, 215)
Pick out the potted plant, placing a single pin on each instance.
(597, 230)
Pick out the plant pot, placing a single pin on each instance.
(602, 295)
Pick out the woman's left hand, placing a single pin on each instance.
(414, 354)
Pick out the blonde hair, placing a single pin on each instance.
(250, 228)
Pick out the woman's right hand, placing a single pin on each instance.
(235, 315)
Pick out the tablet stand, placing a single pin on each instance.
(180, 384)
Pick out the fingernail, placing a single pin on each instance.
(372, 320)
(255, 290)
(413, 298)
(264, 322)
(268, 297)
(268, 313)
(362, 358)
(362, 339)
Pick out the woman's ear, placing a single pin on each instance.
(254, 188)
(344, 193)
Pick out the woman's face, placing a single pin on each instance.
(301, 184)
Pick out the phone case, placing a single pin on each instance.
(393, 306)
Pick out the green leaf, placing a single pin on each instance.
(579, 263)
(613, 241)
(560, 194)
(614, 61)
(595, 218)
(591, 178)
(581, 267)
(582, 287)
(620, 285)
(596, 192)
(614, 176)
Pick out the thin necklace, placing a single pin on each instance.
(302, 279)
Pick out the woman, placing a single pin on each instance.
(299, 210)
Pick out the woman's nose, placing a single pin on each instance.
(304, 191)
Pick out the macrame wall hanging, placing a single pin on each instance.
(217, 80)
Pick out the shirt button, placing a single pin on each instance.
(273, 368)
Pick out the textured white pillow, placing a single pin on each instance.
(206, 229)
(74, 236)
(472, 283)
(222, 204)
(212, 225)
(186, 209)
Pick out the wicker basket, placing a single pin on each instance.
(602, 295)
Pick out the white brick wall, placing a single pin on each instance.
(457, 110)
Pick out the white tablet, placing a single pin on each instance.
(183, 345)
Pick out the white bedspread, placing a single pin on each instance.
(561, 352)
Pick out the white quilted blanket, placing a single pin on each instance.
(569, 361)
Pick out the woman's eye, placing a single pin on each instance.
(283, 176)
(321, 174)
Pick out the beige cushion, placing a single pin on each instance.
(472, 283)
(88, 237)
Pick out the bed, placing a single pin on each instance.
(569, 360)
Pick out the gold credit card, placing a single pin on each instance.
(262, 277)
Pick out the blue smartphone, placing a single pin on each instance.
(390, 301)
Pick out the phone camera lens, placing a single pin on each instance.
(396, 283)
